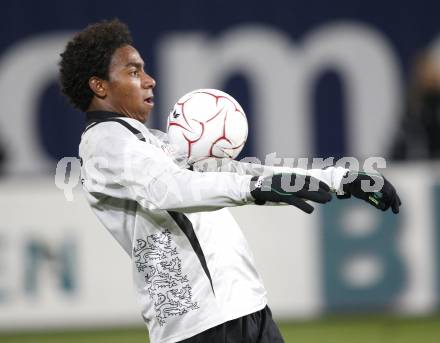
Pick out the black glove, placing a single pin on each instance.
(304, 188)
(373, 188)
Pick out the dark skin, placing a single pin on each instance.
(128, 91)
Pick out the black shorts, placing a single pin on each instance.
(257, 327)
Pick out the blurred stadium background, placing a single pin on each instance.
(317, 79)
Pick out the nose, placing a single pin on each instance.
(148, 81)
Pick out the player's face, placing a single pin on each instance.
(130, 89)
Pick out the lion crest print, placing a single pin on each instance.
(158, 260)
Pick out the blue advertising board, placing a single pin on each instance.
(401, 32)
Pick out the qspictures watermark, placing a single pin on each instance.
(97, 174)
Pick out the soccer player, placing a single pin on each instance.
(193, 270)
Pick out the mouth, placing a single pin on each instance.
(149, 100)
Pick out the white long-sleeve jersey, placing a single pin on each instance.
(192, 266)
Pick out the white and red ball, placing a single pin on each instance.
(207, 123)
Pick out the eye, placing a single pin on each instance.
(135, 73)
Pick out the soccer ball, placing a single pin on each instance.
(207, 123)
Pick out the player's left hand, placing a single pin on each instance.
(290, 188)
(373, 188)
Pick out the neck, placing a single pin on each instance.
(96, 106)
(101, 107)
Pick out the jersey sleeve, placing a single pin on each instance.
(332, 176)
(119, 165)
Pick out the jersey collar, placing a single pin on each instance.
(95, 116)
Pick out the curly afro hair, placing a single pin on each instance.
(88, 54)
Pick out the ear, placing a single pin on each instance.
(98, 86)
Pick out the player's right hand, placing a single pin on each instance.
(380, 193)
(292, 189)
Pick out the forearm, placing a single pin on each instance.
(332, 176)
